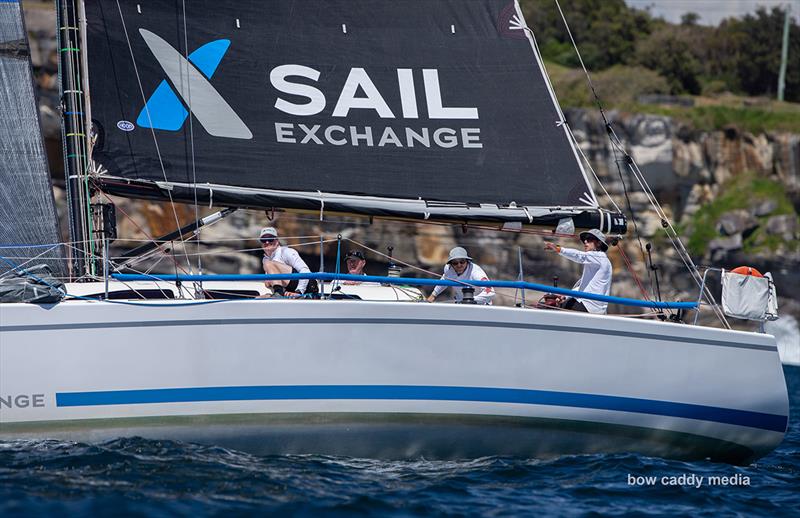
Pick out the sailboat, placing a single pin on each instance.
(436, 111)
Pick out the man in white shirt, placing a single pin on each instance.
(460, 267)
(280, 260)
(597, 271)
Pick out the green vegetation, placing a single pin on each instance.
(620, 87)
(741, 55)
(780, 117)
(629, 54)
(742, 192)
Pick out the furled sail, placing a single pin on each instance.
(416, 108)
(28, 222)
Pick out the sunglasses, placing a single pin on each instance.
(268, 240)
(458, 261)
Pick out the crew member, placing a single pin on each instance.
(596, 276)
(281, 260)
(460, 267)
(355, 262)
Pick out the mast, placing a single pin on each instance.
(72, 90)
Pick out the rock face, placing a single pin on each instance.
(736, 221)
(684, 168)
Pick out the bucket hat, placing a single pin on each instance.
(597, 235)
(458, 253)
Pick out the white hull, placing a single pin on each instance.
(388, 379)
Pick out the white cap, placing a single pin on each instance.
(267, 232)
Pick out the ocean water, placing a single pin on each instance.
(135, 476)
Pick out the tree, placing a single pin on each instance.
(669, 52)
(755, 55)
(690, 19)
(606, 31)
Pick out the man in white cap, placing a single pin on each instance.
(596, 276)
(460, 267)
(279, 260)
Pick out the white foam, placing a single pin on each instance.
(787, 332)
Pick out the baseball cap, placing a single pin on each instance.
(267, 233)
(355, 253)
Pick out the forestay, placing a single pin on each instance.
(273, 103)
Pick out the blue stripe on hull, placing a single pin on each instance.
(772, 422)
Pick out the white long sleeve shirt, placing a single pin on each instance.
(290, 257)
(472, 273)
(596, 276)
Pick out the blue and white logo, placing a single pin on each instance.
(125, 125)
(164, 111)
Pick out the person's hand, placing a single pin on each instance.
(430, 298)
(291, 294)
(552, 246)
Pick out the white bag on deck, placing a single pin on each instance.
(745, 296)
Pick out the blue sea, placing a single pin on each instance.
(135, 476)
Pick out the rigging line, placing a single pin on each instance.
(633, 272)
(414, 267)
(578, 52)
(77, 92)
(633, 217)
(191, 141)
(83, 156)
(156, 284)
(149, 119)
(589, 165)
(685, 257)
(675, 240)
(73, 90)
(21, 265)
(139, 227)
(609, 130)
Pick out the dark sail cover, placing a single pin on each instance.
(407, 99)
(28, 221)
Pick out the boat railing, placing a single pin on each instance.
(407, 281)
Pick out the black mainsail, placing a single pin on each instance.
(412, 108)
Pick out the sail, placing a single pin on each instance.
(354, 104)
(28, 222)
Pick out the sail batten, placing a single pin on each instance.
(438, 100)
